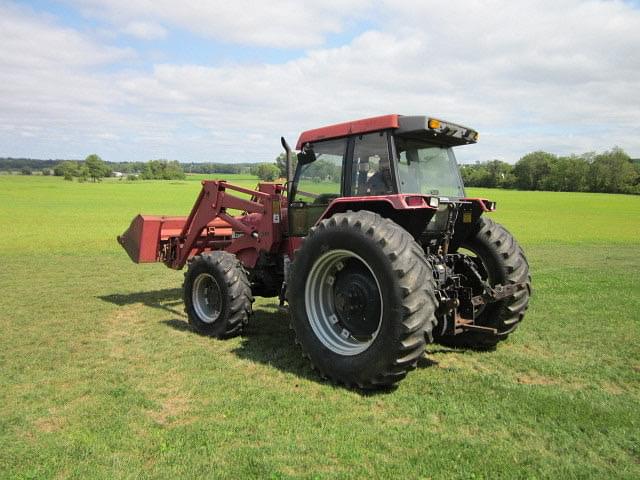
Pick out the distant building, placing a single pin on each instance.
(117, 174)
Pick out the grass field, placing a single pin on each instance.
(100, 376)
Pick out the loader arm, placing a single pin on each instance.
(209, 226)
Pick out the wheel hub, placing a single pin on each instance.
(343, 301)
(357, 301)
(207, 298)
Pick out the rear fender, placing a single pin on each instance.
(412, 217)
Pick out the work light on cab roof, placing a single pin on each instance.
(370, 243)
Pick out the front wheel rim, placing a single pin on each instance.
(206, 298)
(320, 304)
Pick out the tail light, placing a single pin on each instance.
(415, 201)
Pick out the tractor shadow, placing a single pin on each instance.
(267, 339)
(168, 300)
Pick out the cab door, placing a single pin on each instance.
(318, 184)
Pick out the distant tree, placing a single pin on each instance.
(65, 168)
(281, 162)
(530, 170)
(96, 168)
(474, 175)
(266, 172)
(68, 176)
(567, 174)
(162, 170)
(492, 174)
(322, 171)
(26, 171)
(499, 174)
(46, 172)
(124, 168)
(613, 171)
(83, 173)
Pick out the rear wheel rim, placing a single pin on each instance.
(326, 319)
(207, 298)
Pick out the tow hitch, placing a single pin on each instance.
(466, 305)
(492, 295)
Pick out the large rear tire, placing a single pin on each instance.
(217, 294)
(362, 301)
(502, 261)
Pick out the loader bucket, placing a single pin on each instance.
(146, 236)
(143, 238)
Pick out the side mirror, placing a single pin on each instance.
(307, 155)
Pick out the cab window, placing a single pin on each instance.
(320, 180)
(428, 169)
(371, 168)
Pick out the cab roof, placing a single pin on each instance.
(413, 126)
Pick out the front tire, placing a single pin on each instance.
(217, 294)
(362, 301)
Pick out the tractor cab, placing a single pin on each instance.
(378, 160)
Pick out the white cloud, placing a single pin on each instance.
(276, 23)
(561, 76)
(145, 30)
(50, 87)
(35, 43)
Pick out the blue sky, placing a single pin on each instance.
(221, 81)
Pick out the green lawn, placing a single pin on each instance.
(102, 378)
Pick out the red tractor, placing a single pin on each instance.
(372, 242)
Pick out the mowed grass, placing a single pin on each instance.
(101, 377)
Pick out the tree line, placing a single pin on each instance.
(152, 169)
(212, 167)
(612, 171)
(95, 168)
(92, 167)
